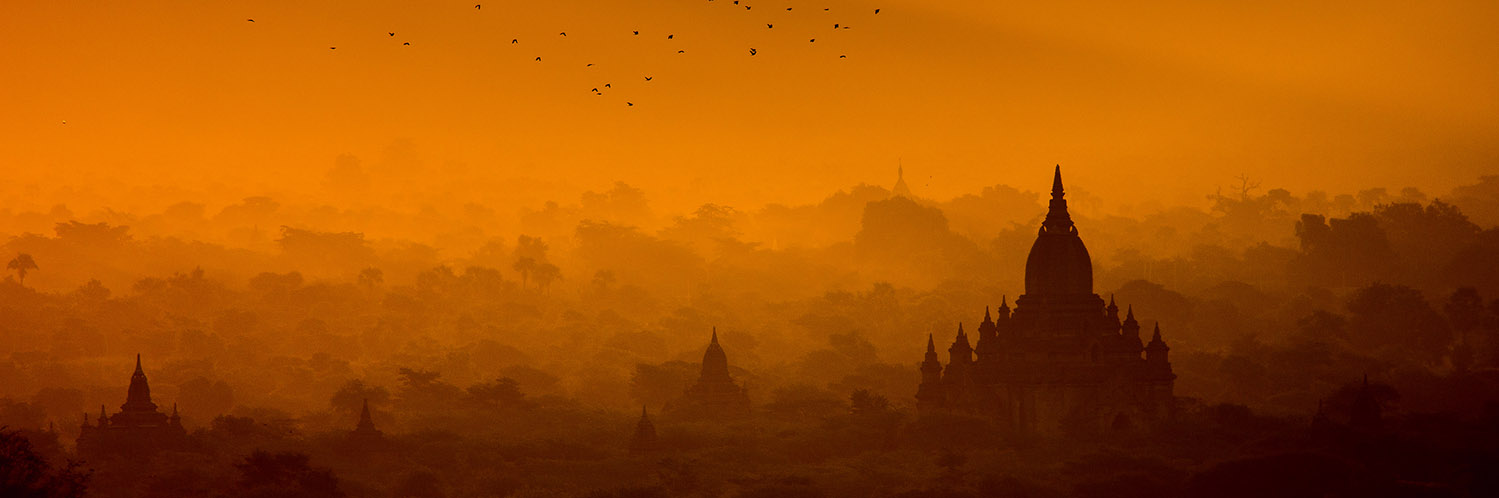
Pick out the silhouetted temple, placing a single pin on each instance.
(366, 432)
(138, 428)
(1063, 361)
(645, 434)
(900, 189)
(715, 393)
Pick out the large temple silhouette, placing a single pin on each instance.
(1063, 361)
(715, 394)
(138, 429)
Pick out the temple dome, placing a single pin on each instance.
(1059, 263)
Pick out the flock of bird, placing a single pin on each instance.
(597, 91)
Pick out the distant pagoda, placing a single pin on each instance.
(715, 394)
(366, 431)
(645, 435)
(900, 189)
(138, 429)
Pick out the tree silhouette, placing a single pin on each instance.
(24, 473)
(603, 280)
(864, 402)
(1397, 323)
(21, 265)
(354, 393)
(524, 265)
(545, 274)
(369, 278)
(286, 474)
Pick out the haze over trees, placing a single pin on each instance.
(511, 355)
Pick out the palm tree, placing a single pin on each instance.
(524, 265)
(545, 274)
(22, 264)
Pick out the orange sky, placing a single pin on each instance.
(1167, 101)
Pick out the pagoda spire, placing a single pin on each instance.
(1057, 218)
(931, 347)
(900, 189)
(139, 396)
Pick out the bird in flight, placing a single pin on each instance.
(631, 104)
(769, 26)
(752, 51)
(876, 11)
(606, 85)
(746, 7)
(332, 48)
(843, 57)
(637, 32)
(669, 36)
(788, 8)
(538, 59)
(407, 43)
(681, 51)
(835, 25)
(391, 33)
(814, 40)
(64, 121)
(595, 90)
(564, 33)
(251, 20)
(647, 78)
(476, 6)
(590, 64)
(514, 41)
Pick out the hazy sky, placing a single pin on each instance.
(1136, 101)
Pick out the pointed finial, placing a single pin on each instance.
(960, 329)
(714, 340)
(1130, 315)
(1004, 301)
(986, 314)
(642, 411)
(174, 409)
(1155, 337)
(138, 363)
(1111, 300)
(931, 346)
(1056, 183)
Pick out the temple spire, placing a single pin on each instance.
(1057, 218)
(900, 189)
(931, 346)
(1056, 183)
(138, 398)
